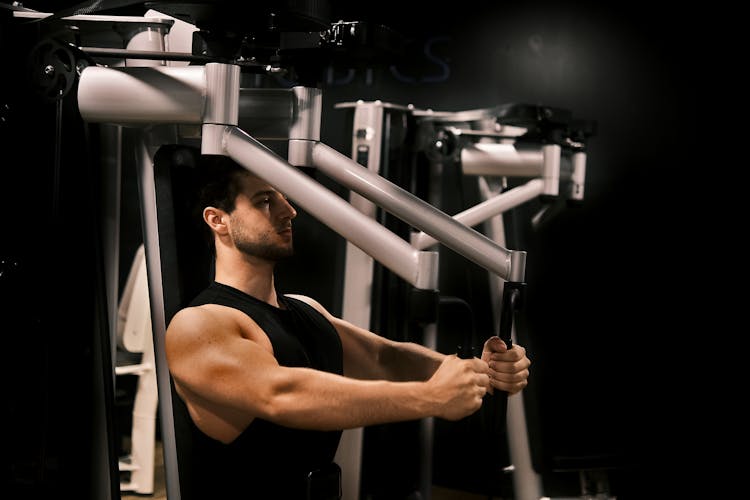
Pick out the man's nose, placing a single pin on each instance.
(289, 210)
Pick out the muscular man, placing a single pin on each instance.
(266, 382)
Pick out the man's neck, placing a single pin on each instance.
(255, 279)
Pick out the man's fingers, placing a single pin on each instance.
(495, 343)
(515, 354)
(511, 383)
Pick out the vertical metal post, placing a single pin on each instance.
(527, 483)
(147, 190)
(357, 297)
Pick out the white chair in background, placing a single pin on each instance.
(134, 334)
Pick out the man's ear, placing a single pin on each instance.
(216, 219)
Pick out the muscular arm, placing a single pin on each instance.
(223, 366)
(370, 356)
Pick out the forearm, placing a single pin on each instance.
(373, 357)
(402, 361)
(311, 399)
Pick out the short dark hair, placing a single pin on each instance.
(219, 182)
(218, 186)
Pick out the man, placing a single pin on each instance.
(267, 382)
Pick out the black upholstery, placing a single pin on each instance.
(186, 262)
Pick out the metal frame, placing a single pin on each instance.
(210, 96)
(162, 99)
(486, 148)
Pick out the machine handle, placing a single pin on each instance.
(512, 301)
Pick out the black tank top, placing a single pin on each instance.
(266, 461)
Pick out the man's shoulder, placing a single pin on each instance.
(310, 302)
(303, 298)
(193, 315)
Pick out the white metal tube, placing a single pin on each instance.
(222, 94)
(356, 303)
(147, 190)
(527, 483)
(486, 209)
(334, 211)
(142, 95)
(150, 39)
(508, 264)
(551, 169)
(305, 126)
(501, 160)
(308, 106)
(578, 176)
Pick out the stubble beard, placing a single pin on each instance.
(264, 248)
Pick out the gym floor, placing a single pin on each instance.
(160, 491)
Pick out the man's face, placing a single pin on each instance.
(261, 223)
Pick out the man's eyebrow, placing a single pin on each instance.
(265, 192)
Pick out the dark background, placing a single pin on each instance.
(611, 310)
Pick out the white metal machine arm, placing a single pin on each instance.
(210, 95)
(412, 265)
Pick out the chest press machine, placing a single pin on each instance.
(204, 105)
